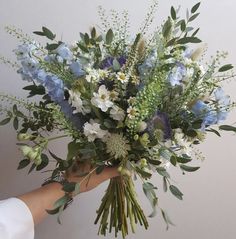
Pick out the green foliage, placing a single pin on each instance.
(176, 192)
(149, 191)
(45, 32)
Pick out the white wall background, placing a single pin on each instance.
(208, 210)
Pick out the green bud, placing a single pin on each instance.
(22, 137)
(38, 159)
(136, 137)
(143, 162)
(144, 139)
(26, 150)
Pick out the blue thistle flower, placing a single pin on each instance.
(160, 121)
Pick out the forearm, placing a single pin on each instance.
(41, 199)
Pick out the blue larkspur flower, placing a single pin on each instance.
(77, 119)
(64, 52)
(54, 87)
(24, 51)
(76, 68)
(177, 74)
(148, 64)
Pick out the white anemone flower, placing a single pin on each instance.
(76, 102)
(93, 131)
(102, 99)
(117, 113)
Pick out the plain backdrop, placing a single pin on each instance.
(209, 205)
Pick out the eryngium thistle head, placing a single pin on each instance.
(118, 146)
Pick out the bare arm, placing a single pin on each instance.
(43, 198)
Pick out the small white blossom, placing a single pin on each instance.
(131, 112)
(93, 131)
(122, 77)
(93, 75)
(117, 113)
(102, 99)
(182, 143)
(79, 105)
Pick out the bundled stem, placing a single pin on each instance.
(119, 208)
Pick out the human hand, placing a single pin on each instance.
(86, 175)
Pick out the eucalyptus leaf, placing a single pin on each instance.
(226, 68)
(195, 7)
(167, 28)
(173, 13)
(189, 168)
(15, 123)
(186, 40)
(162, 171)
(23, 163)
(148, 190)
(5, 121)
(48, 33)
(165, 187)
(227, 128)
(176, 192)
(193, 17)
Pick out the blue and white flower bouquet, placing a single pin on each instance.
(141, 104)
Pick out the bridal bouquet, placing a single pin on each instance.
(140, 103)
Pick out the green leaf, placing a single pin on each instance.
(48, 33)
(52, 47)
(189, 168)
(165, 184)
(53, 211)
(77, 188)
(69, 187)
(148, 190)
(176, 192)
(167, 28)
(44, 162)
(173, 160)
(226, 68)
(227, 128)
(183, 159)
(154, 162)
(109, 37)
(214, 131)
(55, 157)
(14, 109)
(195, 33)
(83, 48)
(86, 39)
(195, 7)
(39, 33)
(193, 17)
(93, 32)
(166, 219)
(143, 173)
(186, 40)
(23, 163)
(116, 65)
(173, 13)
(5, 121)
(32, 168)
(162, 171)
(171, 42)
(20, 114)
(183, 26)
(61, 201)
(15, 123)
(73, 150)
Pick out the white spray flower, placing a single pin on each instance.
(122, 77)
(117, 113)
(93, 131)
(102, 99)
(76, 102)
(131, 112)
